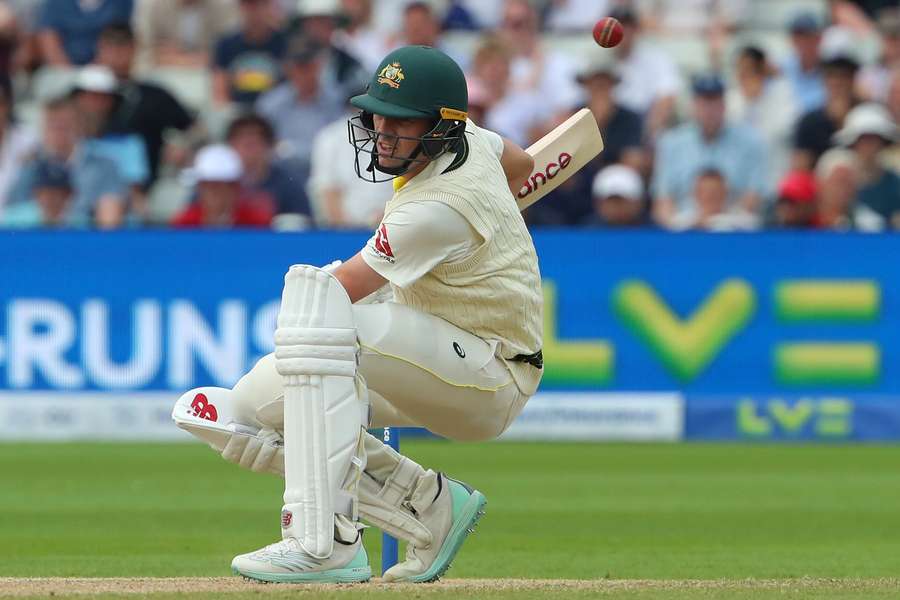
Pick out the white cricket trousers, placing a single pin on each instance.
(420, 370)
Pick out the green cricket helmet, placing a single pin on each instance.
(412, 82)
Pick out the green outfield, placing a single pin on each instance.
(821, 520)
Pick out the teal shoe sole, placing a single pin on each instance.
(465, 524)
(354, 575)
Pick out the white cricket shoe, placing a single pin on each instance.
(287, 562)
(451, 517)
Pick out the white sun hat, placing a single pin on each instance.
(618, 180)
(869, 118)
(217, 162)
(318, 8)
(95, 78)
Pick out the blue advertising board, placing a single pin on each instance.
(765, 336)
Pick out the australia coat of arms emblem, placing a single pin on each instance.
(391, 75)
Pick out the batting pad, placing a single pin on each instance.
(324, 407)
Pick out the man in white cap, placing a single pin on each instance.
(622, 131)
(868, 131)
(219, 199)
(814, 131)
(618, 194)
(342, 71)
(96, 97)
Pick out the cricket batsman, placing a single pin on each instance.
(457, 350)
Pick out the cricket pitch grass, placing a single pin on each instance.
(664, 522)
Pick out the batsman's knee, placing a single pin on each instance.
(258, 397)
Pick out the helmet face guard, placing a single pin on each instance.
(446, 135)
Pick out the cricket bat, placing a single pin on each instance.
(559, 155)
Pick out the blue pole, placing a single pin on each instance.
(389, 548)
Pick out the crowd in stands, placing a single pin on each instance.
(232, 113)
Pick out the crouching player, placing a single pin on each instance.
(457, 351)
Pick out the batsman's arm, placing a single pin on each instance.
(517, 165)
(358, 278)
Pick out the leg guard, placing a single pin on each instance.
(392, 487)
(393, 491)
(324, 406)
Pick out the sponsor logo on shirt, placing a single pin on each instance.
(382, 246)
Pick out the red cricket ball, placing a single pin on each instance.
(608, 32)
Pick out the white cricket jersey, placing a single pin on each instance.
(453, 244)
(423, 234)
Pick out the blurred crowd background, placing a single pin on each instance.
(720, 115)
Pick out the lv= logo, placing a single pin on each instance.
(686, 346)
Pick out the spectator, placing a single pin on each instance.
(621, 130)
(709, 209)
(513, 113)
(867, 132)
(620, 127)
(68, 29)
(576, 15)
(479, 100)
(246, 63)
(421, 26)
(535, 68)
(220, 200)
(17, 143)
(815, 130)
(692, 17)
(301, 106)
(458, 17)
(253, 138)
(708, 141)
(874, 80)
(711, 20)
(359, 38)
(181, 33)
(340, 198)
(51, 202)
(99, 191)
(487, 14)
(765, 103)
(802, 68)
(17, 45)
(618, 195)
(96, 96)
(859, 15)
(649, 80)
(892, 154)
(796, 203)
(142, 108)
(837, 178)
(342, 71)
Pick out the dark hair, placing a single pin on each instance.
(251, 120)
(6, 89)
(754, 54)
(58, 103)
(712, 173)
(118, 33)
(841, 64)
(418, 5)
